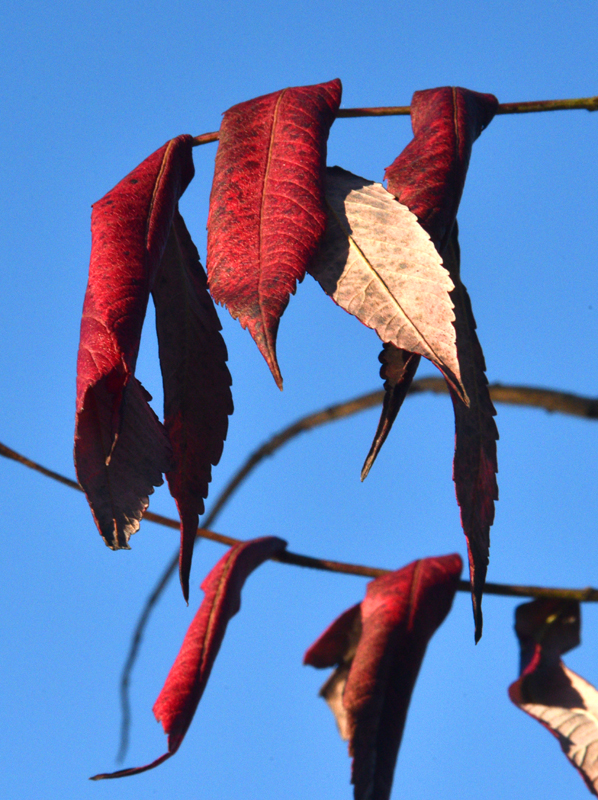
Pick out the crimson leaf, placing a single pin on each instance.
(266, 207)
(548, 691)
(186, 681)
(197, 397)
(428, 177)
(121, 449)
(377, 648)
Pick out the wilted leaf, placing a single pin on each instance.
(428, 177)
(186, 681)
(197, 397)
(398, 370)
(121, 449)
(267, 212)
(377, 648)
(548, 691)
(378, 264)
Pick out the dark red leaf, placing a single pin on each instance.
(186, 681)
(267, 210)
(548, 691)
(378, 648)
(197, 397)
(429, 177)
(121, 450)
(475, 464)
(398, 370)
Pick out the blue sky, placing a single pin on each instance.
(88, 91)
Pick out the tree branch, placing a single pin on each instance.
(533, 106)
(550, 400)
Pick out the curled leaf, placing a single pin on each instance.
(377, 263)
(121, 449)
(377, 648)
(548, 691)
(186, 681)
(267, 212)
(197, 397)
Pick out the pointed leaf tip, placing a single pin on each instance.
(378, 647)
(267, 212)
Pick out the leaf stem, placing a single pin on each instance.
(528, 107)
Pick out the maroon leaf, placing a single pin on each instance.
(197, 397)
(121, 449)
(548, 691)
(377, 648)
(186, 681)
(474, 465)
(266, 208)
(398, 370)
(429, 177)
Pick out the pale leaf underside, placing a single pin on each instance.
(378, 263)
(575, 727)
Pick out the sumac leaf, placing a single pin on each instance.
(121, 449)
(377, 648)
(186, 681)
(197, 397)
(548, 691)
(474, 464)
(267, 212)
(378, 263)
(428, 177)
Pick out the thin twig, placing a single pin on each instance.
(533, 106)
(548, 399)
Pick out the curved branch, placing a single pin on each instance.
(533, 106)
(547, 399)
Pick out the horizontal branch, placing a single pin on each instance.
(529, 107)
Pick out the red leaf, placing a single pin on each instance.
(474, 465)
(379, 653)
(429, 177)
(197, 397)
(548, 691)
(267, 204)
(121, 449)
(186, 681)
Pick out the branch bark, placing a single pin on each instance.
(532, 106)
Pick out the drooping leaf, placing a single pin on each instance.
(197, 397)
(398, 370)
(267, 212)
(474, 465)
(121, 450)
(377, 648)
(377, 263)
(428, 177)
(186, 681)
(548, 691)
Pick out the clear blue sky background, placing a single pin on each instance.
(90, 89)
